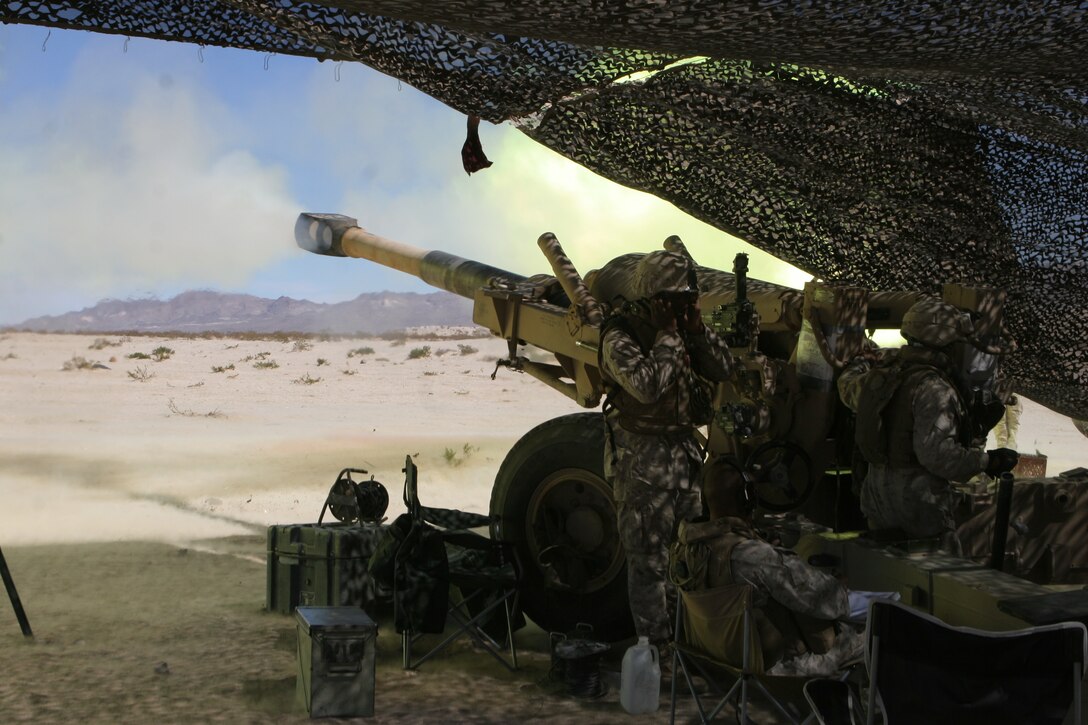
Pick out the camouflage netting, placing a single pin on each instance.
(891, 144)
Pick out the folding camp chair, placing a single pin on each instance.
(834, 702)
(923, 670)
(727, 613)
(482, 573)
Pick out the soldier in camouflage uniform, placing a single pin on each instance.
(800, 611)
(659, 360)
(928, 436)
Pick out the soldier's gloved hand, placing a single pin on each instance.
(692, 318)
(1001, 460)
(662, 315)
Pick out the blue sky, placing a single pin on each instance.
(145, 168)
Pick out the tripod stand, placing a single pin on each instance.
(13, 595)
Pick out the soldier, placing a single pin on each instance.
(659, 360)
(922, 419)
(800, 611)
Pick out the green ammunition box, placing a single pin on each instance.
(876, 568)
(970, 598)
(335, 661)
(321, 565)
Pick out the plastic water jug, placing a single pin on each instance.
(640, 678)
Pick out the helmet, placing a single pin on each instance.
(663, 272)
(934, 323)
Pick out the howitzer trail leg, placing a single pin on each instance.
(9, 584)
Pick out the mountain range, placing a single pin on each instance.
(205, 311)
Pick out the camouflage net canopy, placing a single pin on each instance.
(891, 144)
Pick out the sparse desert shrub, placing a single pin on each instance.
(360, 351)
(10, 356)
(78, 362)
(161, 353)
(453, 458)
(192, 414)
(222, 368)
(302, 346)
(266, 364)
(348, 371)
(101, 343)
(138, 356)
(419, 352)
(262, 355)
(322, 361)
(396, 337)
(430, 373)
(141, 374)
(467, 349)
(442, 351)
(398, 343)
(306, 380)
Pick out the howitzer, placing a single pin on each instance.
(779, 414)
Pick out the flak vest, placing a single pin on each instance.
(664, 416)
(885, 425)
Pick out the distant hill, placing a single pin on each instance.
(202, 311)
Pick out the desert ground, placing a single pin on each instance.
(137, 491)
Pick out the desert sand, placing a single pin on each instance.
(136, 494)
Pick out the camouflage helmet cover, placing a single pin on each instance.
(935, 323)
(662, 272)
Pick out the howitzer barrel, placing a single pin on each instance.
(336, 235)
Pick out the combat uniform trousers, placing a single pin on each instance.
(655, 484)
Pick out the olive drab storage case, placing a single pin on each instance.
(335, 661)
(321, 565)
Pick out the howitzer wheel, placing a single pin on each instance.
(551, 499)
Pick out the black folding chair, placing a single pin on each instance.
(834, 701)
(922, 670)
(482, 573)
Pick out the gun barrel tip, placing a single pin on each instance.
(320, 233)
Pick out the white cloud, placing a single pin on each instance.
(116, 181)
(398, 158)
(496, 215)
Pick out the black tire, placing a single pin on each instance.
(551, 499)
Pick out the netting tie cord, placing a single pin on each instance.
(124, 49)
(47, 35)
(200, 53)
(336, 71)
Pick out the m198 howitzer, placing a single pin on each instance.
(779, 414)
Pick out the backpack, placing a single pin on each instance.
(879, 386)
